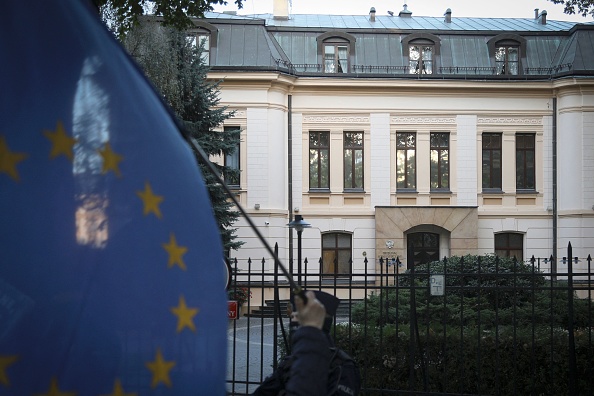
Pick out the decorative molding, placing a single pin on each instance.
(335, 120)
(423, 120)
(510, 120)
(238, 113)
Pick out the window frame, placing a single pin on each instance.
(356, 148)
(439, 171)
(507, 246)
(237, 157)
(505, 69)
(336, 61)
(507, 40)
(336, 39)
(421, 61)
(523, 187)
(408, 185)
(319, 161)
(336, 249)
(494, 174)
(202, 29)
(422, 39)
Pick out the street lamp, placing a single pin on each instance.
(299, 224)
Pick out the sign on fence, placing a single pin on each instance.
(232, 309)
(437, 285)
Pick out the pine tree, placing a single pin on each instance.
(175, 67)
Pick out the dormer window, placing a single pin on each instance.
(422, 51)
(336, 49)
(507, 60)
(197, 39)
(205, 34)
(336, 57)
(506, 52)
(420, 59)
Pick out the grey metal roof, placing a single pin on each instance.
(413, 23)
(263, 43)
(245, 45)
(579, 52)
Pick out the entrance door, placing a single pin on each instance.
(422, 247)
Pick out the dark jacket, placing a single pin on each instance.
(314, 368)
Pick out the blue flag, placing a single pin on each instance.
(111, 267)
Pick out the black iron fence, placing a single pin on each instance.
(470, 325)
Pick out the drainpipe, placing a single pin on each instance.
(290, 176)
(554, 263)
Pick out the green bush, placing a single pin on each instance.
(500, 328)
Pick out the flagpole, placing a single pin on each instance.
(206, 161)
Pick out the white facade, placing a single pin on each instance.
(381, 108)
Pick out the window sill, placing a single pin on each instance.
(353, 191)
(496, 191)
(406, 191)
(319, 191)
(526, 192)
(441, 191)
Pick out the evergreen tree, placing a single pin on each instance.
(175, 67)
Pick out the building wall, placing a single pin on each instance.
(380, 108)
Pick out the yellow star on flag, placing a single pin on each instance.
(150, 200)
(175, 253)
(118, 390)
(55, 391)
(184, 315)
(111, 160)
(160, 369)
(6, 361)
(61, 142)
(9, 159)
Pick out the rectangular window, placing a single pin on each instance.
(353, 160)
(525, 162)
(232, 175)
(319, 160)
(336, 254)
(406, 162)
(336, 58)
(507, 60)
(204, 40)
(420, 59)
(510, 245)
(492, 161)
(440, 160)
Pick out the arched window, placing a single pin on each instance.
(506, 51)
(336, 253)
(336, 49)
(422, 50)
(204, 34)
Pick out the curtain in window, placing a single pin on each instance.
(343, 64)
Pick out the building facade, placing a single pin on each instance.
(397, 136)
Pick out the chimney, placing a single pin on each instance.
(405, 13)
(448, 16)
(280, 9)
(542, 17)
(536, 13)
(372, 14)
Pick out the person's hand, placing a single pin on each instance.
(311, 314)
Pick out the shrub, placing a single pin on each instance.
(501, 328)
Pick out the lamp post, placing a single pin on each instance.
(299, 224)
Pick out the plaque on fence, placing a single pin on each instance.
(437, 285)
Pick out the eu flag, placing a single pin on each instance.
(111, 268)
